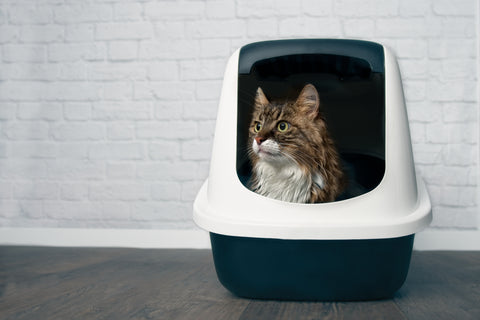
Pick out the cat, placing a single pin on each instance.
(293, 157)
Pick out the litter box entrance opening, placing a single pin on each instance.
(350, 81)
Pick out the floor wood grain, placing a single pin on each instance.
(92, 283)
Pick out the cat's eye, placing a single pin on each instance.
(283, 126)
(257, 127)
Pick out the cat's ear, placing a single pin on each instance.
(260, 98)
(308, 101)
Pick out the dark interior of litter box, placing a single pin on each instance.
(349, 76)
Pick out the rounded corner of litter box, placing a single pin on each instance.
(423, 212)
(421, 216)
(201, 208)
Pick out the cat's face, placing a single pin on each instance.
(282, 132)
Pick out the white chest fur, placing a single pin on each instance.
(285, 181)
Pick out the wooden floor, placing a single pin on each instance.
(86, 283)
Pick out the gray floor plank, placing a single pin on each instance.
(86, 283)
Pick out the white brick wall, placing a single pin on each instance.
(107, 108)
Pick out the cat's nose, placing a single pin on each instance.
(259, 140)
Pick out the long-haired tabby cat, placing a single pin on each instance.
(293, 157)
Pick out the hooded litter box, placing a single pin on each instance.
(355, 248)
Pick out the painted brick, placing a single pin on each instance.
(460, 7)
(287, 8)
(22, 169)
(196, 150)
(325, 27)
(460, 112)
(70, 71)
(27, 130)
(214, 48)
(441, 48)
(47, 33)
(166, 90)
(120, 170)
(257, 9)
(108, 107)
(82, 12)
(202, 70)
(167, 29)
(368, 8)
(72, 210)
(34, 149)
(69, 52)
(169, 191)
(127, 11)
(216, 29)
(169, 130)
(424, 111)
(103, 71)
(414, 90)
(204, 110)
(217, 9)
(74, 191)
(262, 27)
(451, 90)
(78, 131)
(411, 48)
(190, 190)
(116, 151)
(80, 32)
(123, 50)
(413, 69)
(122, 91)
(164, 150)
(36, 191)
(7, 111)
(414, 8)
(405, 27)
(39, 111)
(317, 8)
(460, 154)
(10, 209)
(208, 90)
(124, 31)
(359, 27)
(3, 150)
(24, 53)
(6, 191)
(119, 191)
(77, 110)
(174, 10)
(458, 27)
(119, 110)
(120, 131)
(163, 70)
(169, 49)
(206, 129)
(427, 153)
(116, 211)
(168, 110)
(75, 169)
(28, 14)
(167, 171)
(22, 90)
(456, 196)
(9, 34)
(32, 208)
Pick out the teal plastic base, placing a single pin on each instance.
(312, 270)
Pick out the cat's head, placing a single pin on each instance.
(287, 131)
